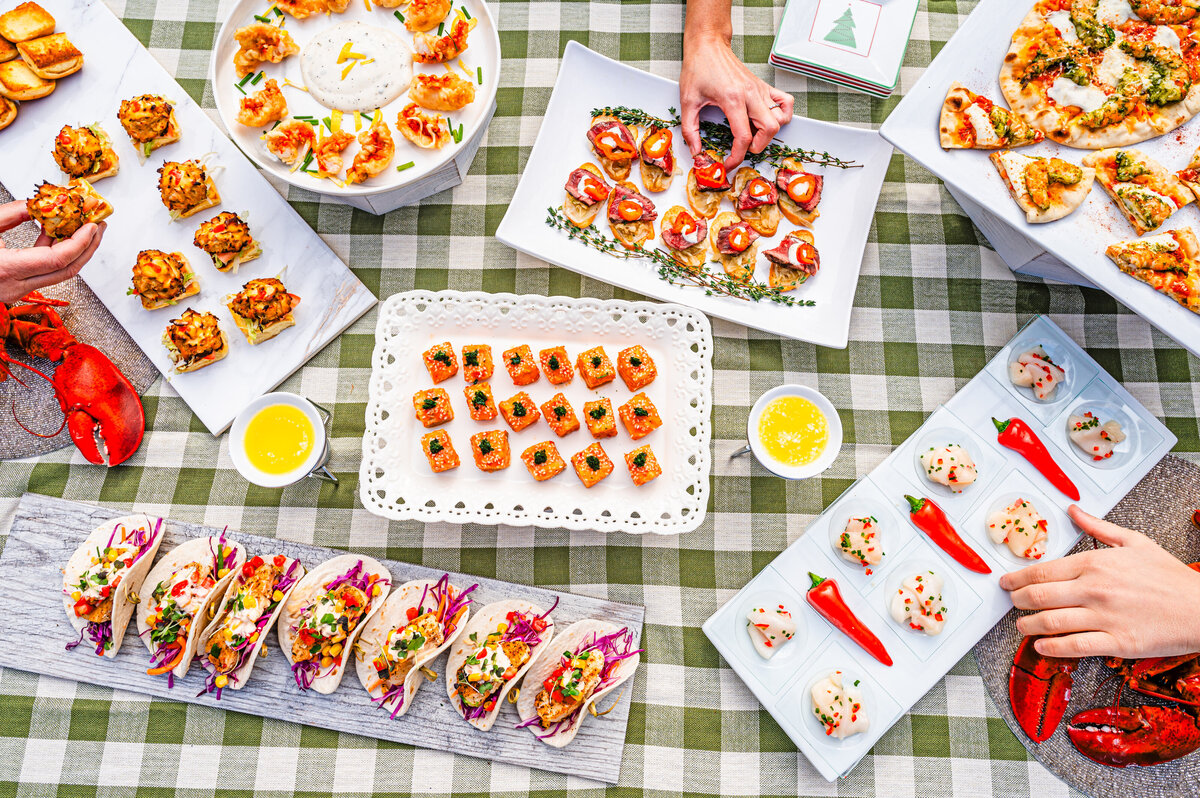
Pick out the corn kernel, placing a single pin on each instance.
(254, 637)
(76, 595)
(228, 634)
(249, 602)
(502, 627)
(221, 572)
(277, 595)
(474, 677)
(326, 662)
(376, 589)
(221, 680)
(335, 649)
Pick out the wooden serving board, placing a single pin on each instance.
(46, 531)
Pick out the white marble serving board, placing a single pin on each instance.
(116, 67)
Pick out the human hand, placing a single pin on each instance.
(45, 263)
(1133, 600)
(713, 75)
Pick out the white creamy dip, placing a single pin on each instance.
(380, 75)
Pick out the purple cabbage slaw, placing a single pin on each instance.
(228, 560)
(520, 628)
(100, 632)
(615, 647)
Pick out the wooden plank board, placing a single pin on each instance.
(46, 531)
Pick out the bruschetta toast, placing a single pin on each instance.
(614, 144)
(755, 199)
(793, 261)
(735, 243)
(587, 194)
(707, 184)
(799, 192)
(685, 236)
(631, 215)
(656, 156)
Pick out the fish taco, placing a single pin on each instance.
(101, 580)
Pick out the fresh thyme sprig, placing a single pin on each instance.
(717, 136)
(637, 117)
(670, 270)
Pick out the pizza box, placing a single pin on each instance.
(973, 57)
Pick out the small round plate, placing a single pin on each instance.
(833, 423)
(237, 438)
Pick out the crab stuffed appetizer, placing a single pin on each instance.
(290, 142)
(1035, 370)
(793, 260)
(686, 237)
(707, 184)
(736, 245)
(150, 122)
(614, 146)
(261, 44)
(262, 309)
(263, 107)
(329, 151)
(495, 650)
(657, 159)
(917, 604)
(839, 706)
(375, 151)
(859, 543)
(950, 465)
(596, 657)
(427, 131)
(323, 617)
(1020, 527)
(63, 210)
(195, 340)
(770, 629)
(186, 188)
(756, 201)
(1095, 439)
(416, 623)
(429, 49)
(446, 92)
(631, 215)
(587, 193)
(227, 239)
(85, 153)
(799, 192)
(230, 645)
(161, 279)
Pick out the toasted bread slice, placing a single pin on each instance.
(247, 254)
(191, 289)
(705, 203)
(103, 208)
(786, 278)
(110, 164)
(793, 212)
(631, 234)
(8, 112)
(765, 218)
(184, 368)
(18, 82)
(695, 256)
(654, 177)
(51, 57)
(26, 21)
(741, 266)
(263, 333)
(577, 212)
(8, 51)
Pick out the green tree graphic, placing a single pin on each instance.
(843, 30)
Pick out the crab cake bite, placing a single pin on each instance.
(61, 211)
(161, 279)
(262, 309)
(226, 238)
(195, 340)
(85, 153)
(186, 188)
(149, 119)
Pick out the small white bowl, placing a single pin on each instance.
(833, 423)
(237, 438)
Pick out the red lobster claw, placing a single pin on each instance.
(103, 410)
(1124, 736)
(1039, 689)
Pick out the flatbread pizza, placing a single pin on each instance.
(1047, 189)
(1190, 174)
(1144, 191)
(971, 121)
(1167, 262)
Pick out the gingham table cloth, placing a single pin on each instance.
(933, 304)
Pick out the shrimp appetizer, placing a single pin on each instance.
(329, 151)
(586, 194)
(263, 107)
(63, 210)
(227, 239)
(161, 279)
(1034, 369)
(756, 201)
(262, 309)
(195, 340)
(1098, 440)
(685, 237)
(262, 44)
(918, 604)
(428, 49)
(1020, 527)
(446, 92)
(150, 122)
(950, 465)
(85, 153)
(376, 149)
(657, 159)
(736, 245)
(770, 628)
(859, 542)
(290, 142)
(300, 9)
(186, 188)
(839, 706)
(799, 192)
(614, 146)
(427, 131)
(793, 261)
(707, 184)
(425, 15)
(631, 215)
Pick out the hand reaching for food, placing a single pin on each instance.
(1134, 599)
(45, 263)
(713, 75)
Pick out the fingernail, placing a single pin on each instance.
(1004, 582)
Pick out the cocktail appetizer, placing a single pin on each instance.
(587, 195)
(290, 142)
(793, 260)
(186, 188)
(949, 465)
(51, 57)
(328, 151)
(859, 542)
(799, 192)
(918, 604)
(425, 15)
(839, 707)
(439, 451)
(595, 368)
(1034, 369)
(1020, 527)
(490, 450)
(262, 44)
(707, 183)
(519, 411)
(770, 628)
(1094, 438)
(195, 340)
(521, 365)
(262, 309)
(657, 159)
(263, 107)
(557, 365)
(447, 92)
(427, 131)
(592, 464)
(614, 146)
(480, 403)
(736, 245)
(640, 416)
(161, 279)
(643, 465)
(598, 415)
(432, 407)
(631, 215)
(543, 460)
(226, 238)
(440, 362)
(756, 201)
(636, 367)
(477, 363)
(149, 119)
(560, 415)
(85, 153)
(375, 151)
(63, 210)
(685, 237)
(430, 49)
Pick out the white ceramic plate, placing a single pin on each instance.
(973, 57)
(396, 481)
(588, 80)
(483, 51)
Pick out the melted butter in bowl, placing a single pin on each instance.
(377, 67)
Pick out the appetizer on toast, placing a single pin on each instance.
(685, 237)
(755, 202)
(263, 107)
(793, 260)
(85, 153)
(736, 245)
(226, 238)
(614, 146)
(261, 44)
(262, 309)
(587, 194)
(186, 188)
(971, 121)
(18, 82)
(707, 184)
(427, 131)
(63, 210)
(8, 50)
(51, 57)
(1144, 191)
(26, 21)
(446, 92)
(631, 215)
(161, 279)
(8, 112)
(657, 159)
(799, 192)
(195, 340)
(149, 120)
(1047, 189)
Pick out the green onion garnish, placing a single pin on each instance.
(277, 124)
(263, 19)
(278, 13)
(238, 86)
(398, 16)
(244, 80)
(257, 78)
(304, 118)
(441, 27)
(466, 13)
(307, 160)
(366, 116)
(328, 124)
(404, 166)
(479, 75)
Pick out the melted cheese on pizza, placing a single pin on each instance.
(1166, 37)
(1064, 92)
(1115, 12)
(1162, 241)
(1061, 20)
(1113, 65)
(985, 131)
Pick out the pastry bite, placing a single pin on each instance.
(8, 112)
(490, 450)
(587, 194)
(859, 542)
(423, 15)
(519, 411)
(1094, 438)
(290, 142)
(756, 199)
(592, 464)
(149, 120)
(950, 465)
(543, 461)
(430, 49)
(195, 340)
(838, 706)
(636, 367)
(557, 365)
(227, 240)
(8, 50)
(444, 92)
(432, 407)
(1144, 191)
(918, 604)
(480, 403)
(643, 465)
(595, 368)
(640, 416)
(631, 215)
(477, 363)
(302, 9)
(62, 210)
(736, 244)
(1034, 369)
(560, 415)
(262, 107)
(375, 151)
(685, 237)
(793, 260)
(262, 309)
(161, 279)
(598, 415)
(85, 153)
(770, 627)
(707, 183)
(51, 57)
(1020, 527)
(427, 131)
(521, 365)
(440, 362)
(26, 21)
(261, 44)
(18, 82)
(439, 451)
(186, 188)
(656, 156)
(799, 192)
(614, 146)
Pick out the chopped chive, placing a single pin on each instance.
(398, 15)
(244, 80)
(257, 78)
(262, 19)
(328, 123)
(479, 75)
(404, 166)
(304, 118)
(313, 122)
(307, 160)
(238, 86)
(366, 116)
(466, 13)
(278, 13)
(441, 27)
(277, 124)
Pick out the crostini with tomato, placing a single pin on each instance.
(755, 200)
(793, 261)
(685, 236)
(631, 215)
(736, 245)
(707, 183)
(799, 192)
(615, 145)
(587, 193)
(657, 159)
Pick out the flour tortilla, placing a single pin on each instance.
(125, 596)
(196, 550)
(1063, 199)
(572, 638)
(1160, 181)
(481, 625)
(312, 587)
(393, 614)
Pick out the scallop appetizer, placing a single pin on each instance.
(290, 142)
(1035, 370)
(839, 706)
(918, 605)
(1020, 527)
(226, 238)
(950, 465)
(263, 107)
(1094, 438)
(427, 131)
(186, 188)
(161, 279)
(770, 628)
(85, 153)
(375, 151)
(195, 340)
(150, 122)
(262, 309)
(429, 49)
(261, 44)
(446, 92)
(859, 542)
(62, 210)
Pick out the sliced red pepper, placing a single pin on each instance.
(932, 520)
(712, 176)
(1016, 435)
(826, 599)
(411, 613)
(802, 188)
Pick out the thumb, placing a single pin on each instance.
(691, 125)
(1104, 531)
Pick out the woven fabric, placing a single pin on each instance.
(934, 303)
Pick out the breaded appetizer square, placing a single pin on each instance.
(227, 240)
(592, 464)
(440, 362)
(480, 403)
(595, 367)
(8, 112)
(643, 465)
(560, 415)
(520, 364)
(18, 82)
(640, 416)
(160, 279)
(477, 363)
(186, 188)
(543, 461)
(149, 120)
(432, 407)
(598, 415)
(51, 57)
(636, 367)
(439, 451)
(557, 365)
(490, 450)
(262, 309)
(519, 411)
(26, 21)
(195, 340)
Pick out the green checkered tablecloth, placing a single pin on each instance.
(934, 303)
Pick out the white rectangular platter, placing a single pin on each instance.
(117, 67)
(396, 481)
(46, 531)
(973, 57)
(975, 601)
(588, 80)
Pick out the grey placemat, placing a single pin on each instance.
(34, 402)
(1161, 505)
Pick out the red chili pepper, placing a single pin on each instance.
(932, 520)
(1016, 435)
(826, 599)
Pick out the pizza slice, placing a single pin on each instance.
(1166, 262)
(1190, 174)
(1144, 191)
(1046, 188)
(971, 121)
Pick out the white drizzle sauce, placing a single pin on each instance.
(370, 83)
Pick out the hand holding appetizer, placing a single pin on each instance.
(587, 194)
(707, 183)
(226, 238)
(45, 263)
(62, 211)
(262, 309)
(161, 279)
(195, 340)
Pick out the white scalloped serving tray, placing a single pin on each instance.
(396, 482)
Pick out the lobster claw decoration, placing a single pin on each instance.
(1123, 736)
(101, 409)
(1039, 689)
